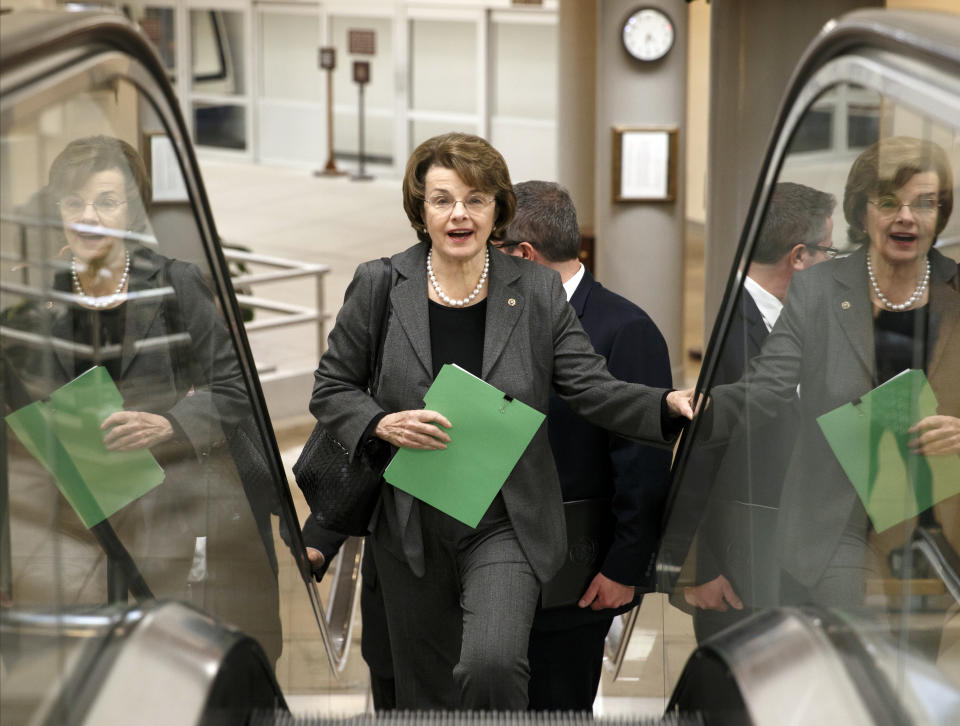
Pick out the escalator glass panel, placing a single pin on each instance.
(133, 464)
(825, 467)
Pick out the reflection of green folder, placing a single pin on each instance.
(490, 432)
(64, 435)
(870, 440)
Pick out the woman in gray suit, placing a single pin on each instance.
(459, 600)
(849, 325)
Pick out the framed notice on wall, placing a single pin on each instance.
(644, 163)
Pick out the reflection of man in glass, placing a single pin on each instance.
(796, 234)
(735, 548)
(152, 323)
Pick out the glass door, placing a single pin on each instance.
(291, 118)
(220, 82)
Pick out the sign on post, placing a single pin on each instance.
(361, 72)
(361, 76)
(327, 60)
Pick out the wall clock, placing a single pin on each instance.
(648, 34)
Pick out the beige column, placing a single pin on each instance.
(576, 112)
(640, 244)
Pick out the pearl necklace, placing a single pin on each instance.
(917, 293)
(446, 298)
(105, 300)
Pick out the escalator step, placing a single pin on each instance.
(473, 718)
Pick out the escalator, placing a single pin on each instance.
(82, 643)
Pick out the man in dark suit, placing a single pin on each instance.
(735, 548)
(566, 644)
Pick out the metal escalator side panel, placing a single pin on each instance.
(787, 671)
(894, 678)
(180, 666)
(51, 662)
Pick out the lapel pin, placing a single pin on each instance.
(845, 305)
(511, 302)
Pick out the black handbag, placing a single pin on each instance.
(343, 492)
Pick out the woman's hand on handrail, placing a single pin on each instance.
(415, 429)
(680, 403)
(317, 561)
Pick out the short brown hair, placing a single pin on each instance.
(83, 157)
(546, 219)
(885, 167)
(796, 215)
(474, 160)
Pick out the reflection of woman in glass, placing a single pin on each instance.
(847, 326)
(194, 537)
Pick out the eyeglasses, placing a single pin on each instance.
(889, 205)
(474, 203)
(506, 243)
(73, 207)
(830, 252)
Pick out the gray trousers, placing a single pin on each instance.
(459, 634)
(843, 583)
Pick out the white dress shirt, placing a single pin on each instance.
(768, 303)
(570, 286)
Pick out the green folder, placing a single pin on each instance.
(490, 432)
(64, 435)
(870, 440)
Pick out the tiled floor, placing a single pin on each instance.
(291, 214)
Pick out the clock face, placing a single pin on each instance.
(648, 34)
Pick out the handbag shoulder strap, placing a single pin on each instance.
(376, 354)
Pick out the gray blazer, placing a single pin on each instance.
(823, 341)
(532, 339)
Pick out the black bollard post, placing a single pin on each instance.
(328, 62)
(361, 76)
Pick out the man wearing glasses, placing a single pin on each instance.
(796, 233)
(566, 643)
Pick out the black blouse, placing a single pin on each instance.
(456, 336)
(901, 341)
(105, 325)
